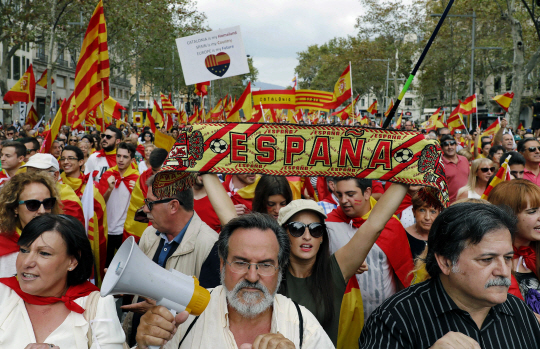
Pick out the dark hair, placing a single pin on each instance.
(516, 159)
(185, 197)
(461, 225)
(268, 186)
(521, 144)
(157, 157)
(97, 143)
(259, 221)
(127, 146)
(440, 129)
(32, 140)
(484, 144)
(74, 236)
(320, 287)
(90, 139)
(445, 138)
(494, 150)
(20, 149)
(116, 131)
(12, 128)
(77, 150)
(147, 133)
(361, 183)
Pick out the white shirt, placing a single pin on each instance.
(96, 164)
(142, 167)
(16, 330)
(117, 208)
(7, 265)
(211, 331)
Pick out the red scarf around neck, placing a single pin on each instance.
(131, 174)
(529, 257)
(8, 244)
(68, 299)
(338, 216)
(110, 156)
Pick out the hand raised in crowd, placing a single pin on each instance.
(112, 181)
(455, 340)
(41, 346)
(504, 122)
(131, 185)
(158, 326)
(140, 307)
(363, 268)
(269, 341)
(241, 209)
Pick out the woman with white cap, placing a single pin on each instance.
(316, 279)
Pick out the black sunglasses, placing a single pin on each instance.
(485, 169)
(447, 143)
(34, 205)
(151, 204)
(103, 135)
(28, 151)
(297, 229)
(533, 149)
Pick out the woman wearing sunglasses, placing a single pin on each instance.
(481, 172)
(24, 197)
(315, 278)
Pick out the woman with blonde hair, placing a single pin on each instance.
(523, 198)
(24, 197)
(481, 171)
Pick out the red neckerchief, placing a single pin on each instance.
(130, 175)
(8, 244)
(529, 256)
(111, 157)
(68, 299)
(338, 216)
(84, 179)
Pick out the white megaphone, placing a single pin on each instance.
(132, 272)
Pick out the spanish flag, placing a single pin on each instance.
(24, 90)
(502, 175)
(157, 114)
(373, 108)
(43, 80)
(520, 127)
(256, 115)
(243, 103)
(150, 121)
(468, 106)
(92, 72)
(343, 87)
(217, 111)
(274, 99)
(32, 117)
(504, 100)
(398, 122)
(194, 117)
(348, 111)
(390, 106)
(164, 141)
(455, 122)
(201, 89)
(351, 316)
(59, 120)
(492, 129)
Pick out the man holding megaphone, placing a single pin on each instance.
(245, 311)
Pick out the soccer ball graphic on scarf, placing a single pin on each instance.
(218, 146)
(403, 155)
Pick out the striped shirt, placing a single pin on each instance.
(420, 315)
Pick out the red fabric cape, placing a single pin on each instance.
(529, 257)
(104, 185)
(8, 244)
(236, 198)
(204, 209)
(111, 158)
(393, 241)
(142, 181)
(72, 294)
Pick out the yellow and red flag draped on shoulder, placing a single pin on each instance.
(455, 122)
(313, 99)
(32, 117)
(468, 106)
(351, 316)
(168, 107)
(244, 104)
(92, 72)
(503, 174)
(343, 88)
(150, 121)
(201, 89)
(504, 100)
(274, 99)
(43, 80)
(24, 90)
(59, 120)
(157, 114)
(373, 108)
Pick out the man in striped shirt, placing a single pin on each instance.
(466, 303)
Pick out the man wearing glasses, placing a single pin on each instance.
(11, 133)
(102, 160)
(244, 311)
(32, 147)
(13, 155)
(456, 166)
(530, 149)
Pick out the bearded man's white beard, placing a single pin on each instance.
(251, 303)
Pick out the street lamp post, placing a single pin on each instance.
(387, 78)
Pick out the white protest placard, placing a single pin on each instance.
(212, 55)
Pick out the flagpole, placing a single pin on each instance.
(350, 74)
(476, 100)
(102, 109)
(418, 63)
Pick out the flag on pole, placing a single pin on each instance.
(468, 106)
(243, 103)
(434, 122)
(492, 129)
(59, 120)
(157, 114)
(24, 90)
(503, 174)
(92, 72)
(455, 122)
(217, 111)
(168, 107)
(373, 108)
(504, 100)
(342, 88)
(201, 89)
(294, 82)
(193, 118)
(398, 122)
(43, 80)
(32, 117)
(256, 115)
(348, 111)
(150, 121)
(164, 141)
(520, 127)
(389, 108)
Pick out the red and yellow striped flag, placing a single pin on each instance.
(275, 99)
(59, 120)
(92, 72)
(32, 117)
(398, 122)
(351, 316)
(43, 80)
(492, 129)
(24, 90)
(150, 121)
(520, 127)
(502, 175)
(468, 106)
(312, 99)
(455, 122)
(373, 108)
(168, 107)
(194, 117)
(504, 100)
(343, 87)
(201, 89)
(243, 103)
(390, 106)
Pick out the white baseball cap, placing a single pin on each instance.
(42, 161)
(299, 205)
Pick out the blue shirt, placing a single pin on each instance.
(162, 259)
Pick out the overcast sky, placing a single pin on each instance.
(275, 30)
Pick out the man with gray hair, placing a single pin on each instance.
(466, 303)
(245, 311)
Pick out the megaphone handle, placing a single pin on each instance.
(173, 312)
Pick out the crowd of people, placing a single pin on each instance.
(278, 254)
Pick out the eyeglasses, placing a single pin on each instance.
(10, 133)
(73, 140)
(29, 151)
(264, 269)
(533, 149)
(447, 143)
(69, 158)
(103, 135)
(485, 169)
(297, 229)
(151, 204)
(34, 205)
